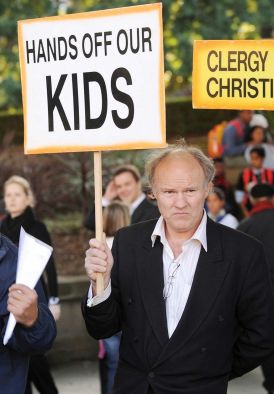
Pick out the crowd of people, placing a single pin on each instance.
(246, 146)
(187, 301)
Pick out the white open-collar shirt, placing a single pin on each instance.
(183, 279)
(182, 283)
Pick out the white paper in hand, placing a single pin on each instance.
(33, 256)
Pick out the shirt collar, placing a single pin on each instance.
(220, 214)
(199, 235)
(137, 202)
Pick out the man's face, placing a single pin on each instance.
(256, 160)
(246, 116)
(128, 189)
(258, 135)
(180, 189)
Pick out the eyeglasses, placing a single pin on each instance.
(170, 280)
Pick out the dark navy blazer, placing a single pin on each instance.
(14, 357)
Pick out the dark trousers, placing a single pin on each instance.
(39, 374)
(268, 372)
(103, 375)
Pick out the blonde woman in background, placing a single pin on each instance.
(19, 203)
(115, 216)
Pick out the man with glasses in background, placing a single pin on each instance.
(192, 297)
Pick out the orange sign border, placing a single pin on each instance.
(87, 15)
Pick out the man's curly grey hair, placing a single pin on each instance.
(180, 147)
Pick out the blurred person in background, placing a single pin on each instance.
(19, 203)
(115, 216)
(35, 330)
(126, 186)
(260, 225)
(216, 209)
(220, 180)
(234, 140)
(258, 136)
(250, 176)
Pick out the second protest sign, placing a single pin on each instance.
(233, 74)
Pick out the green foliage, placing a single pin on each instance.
(184, 21)
(10, 13)
(65, 223)
(203, 19)
(181, 121)
(184, 121)
(187, 20)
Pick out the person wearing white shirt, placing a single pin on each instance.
(126, 186)
(259, 136)
(215, 203)
(192, 297)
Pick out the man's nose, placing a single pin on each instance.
(180, 200)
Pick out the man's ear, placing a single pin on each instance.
(152, 193)
(209, 188)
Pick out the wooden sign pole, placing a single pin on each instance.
(98, 212)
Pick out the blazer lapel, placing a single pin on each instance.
(138, 212)
(151, 280)
(209, 276)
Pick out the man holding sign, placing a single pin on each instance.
(35, 330)
(93, 82)
(192, 297)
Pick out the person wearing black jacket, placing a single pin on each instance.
(192, 297)
(260, 225)
(19, 201)
(126, 186)
(35, 330)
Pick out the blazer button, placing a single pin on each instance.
(135, 339)
(129, 301)
(221, 318)
(151, 375)
(203, 349)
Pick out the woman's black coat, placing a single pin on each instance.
(10, 227)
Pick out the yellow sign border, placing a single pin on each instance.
(199, 102)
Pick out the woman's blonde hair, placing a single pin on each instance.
(19, 180)
(115, 216)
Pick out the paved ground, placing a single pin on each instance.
(82, 378)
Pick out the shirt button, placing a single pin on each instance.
(151, 375)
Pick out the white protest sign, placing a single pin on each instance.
(93, 81)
